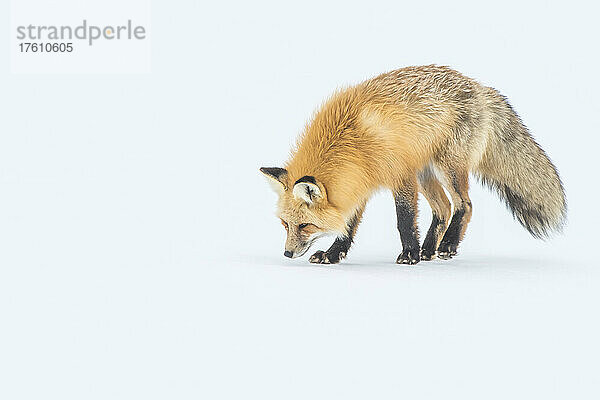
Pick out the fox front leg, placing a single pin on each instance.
(336, 253)
(406, 212)
(341, 245)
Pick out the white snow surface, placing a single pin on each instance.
(140, 257)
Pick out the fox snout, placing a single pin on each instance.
(296, 253)
(295, 247)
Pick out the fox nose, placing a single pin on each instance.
(288, 254)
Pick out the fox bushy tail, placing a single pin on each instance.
(517, 168)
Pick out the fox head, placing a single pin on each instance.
(303, 210)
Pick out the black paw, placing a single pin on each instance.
(410, 257)
(427, 254)
(446, 251)
(325, 257)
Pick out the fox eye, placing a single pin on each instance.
(302, 226)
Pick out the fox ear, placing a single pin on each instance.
(277, 178)
(306, 188)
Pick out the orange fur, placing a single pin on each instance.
(405, 130)
(374, 135)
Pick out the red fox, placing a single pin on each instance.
(415, 129)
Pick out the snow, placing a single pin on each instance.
(140, 257)
(473, 327)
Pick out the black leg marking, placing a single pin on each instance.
(449, 243)
(406, 214)
(460, 219)
(429, 244)
(334, 254)
(440, 207)
(341, 245)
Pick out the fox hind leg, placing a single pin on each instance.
(441, 211)
(458, 187)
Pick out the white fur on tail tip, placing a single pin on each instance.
(309, 192)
